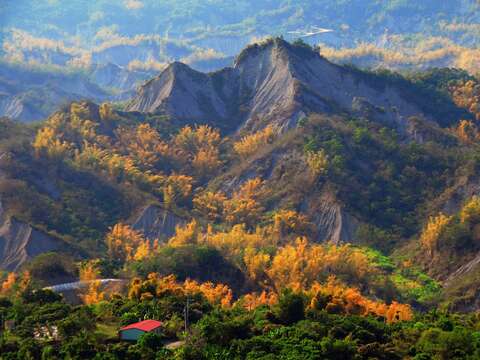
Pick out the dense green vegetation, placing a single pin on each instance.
(288, 330)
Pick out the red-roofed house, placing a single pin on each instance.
(135, 330)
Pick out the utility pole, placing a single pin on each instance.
(186, 311)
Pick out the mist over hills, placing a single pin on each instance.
(147, 34)
(105, 50)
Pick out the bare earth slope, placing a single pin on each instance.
(272, 83)
(20, 242)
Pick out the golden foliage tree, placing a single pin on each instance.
(25, 281)
(243, 211)
(398, 312)
(299, 265)
(205, 162)
(159, 286)
(432, 231)
(143, 144)
(9, 284)
(198, 147)
(317, 162)
(218, 294)
(177, 190)
(106, 112)
(186, 235)
(467, 131)
(142, 251)
(47, 144)
(256, 263)
(123, 242)
(233, 243)
(91, 157)
(470, 212)
(245, 206)
(250, 144)
(289, 221)
(467, 95)
(90, 273)
(210, 205)
(335, 297)
(253, 300)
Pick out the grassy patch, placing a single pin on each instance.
(108, 330)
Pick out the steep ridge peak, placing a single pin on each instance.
(272, 83)
(279, 47)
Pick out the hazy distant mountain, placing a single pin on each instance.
(32, 94)
(147, 33)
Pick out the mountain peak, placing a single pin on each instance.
(279, 45)
(273, 83)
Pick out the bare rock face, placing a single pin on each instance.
(274, 83)
(185, 94)
(330, 220)
(157, 223)
(462, 270)
(332, 223)
(19, 242)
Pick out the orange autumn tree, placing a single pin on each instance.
(123, 242)
(398, 312)
(47, 144)
(299, 265)
(177, 189)
(470, 212)
(245, 206)
(253, 300)
(25, 281)
(143, 144)
(186, 235)
(431, 233)
(142, 251)
(467, 95)
(218, 294)
(199, 148)
(15, 284)
(233, 243)
(256, 262)
(250, 144)
(106, 112)
(210, 205)
(335, 297)
(467, 131)
(8, 284)
(90, 274)
(286, 222)
(158, 286)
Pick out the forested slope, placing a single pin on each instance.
(352, 225)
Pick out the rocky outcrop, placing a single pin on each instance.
(20, 242)
(286, 173)
(273, 83)
(157, 223)
(186, 94)
(331, 222)
(462, 270)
